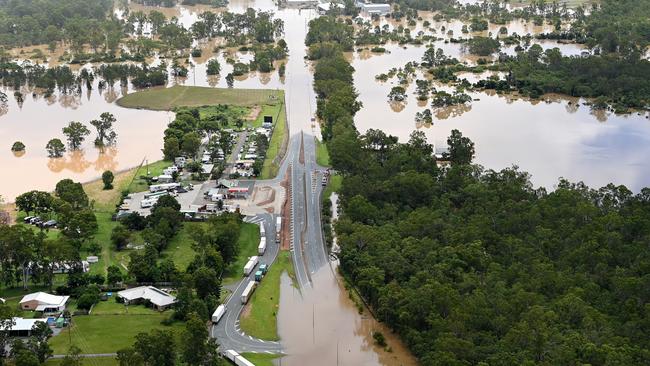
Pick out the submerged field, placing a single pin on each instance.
(194, 96)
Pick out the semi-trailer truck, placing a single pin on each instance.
(278, 228)
(262, 247)
(248, 291)
(250, 265)
(216, 316)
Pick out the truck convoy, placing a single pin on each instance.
(216, 316)
(250, 266)
(248, 291)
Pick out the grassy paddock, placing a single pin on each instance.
(280, 134)
(261, 320)
(322, 154)
(194, 96)
(107, 333)
(95, 361)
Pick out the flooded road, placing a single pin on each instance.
(322, 327)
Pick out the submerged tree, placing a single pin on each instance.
(75, 133)
(104, 125)
(55, 148)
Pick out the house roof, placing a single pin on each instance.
(44, 298)
(23, 324)
(154, 295)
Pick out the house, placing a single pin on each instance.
(21, 327)
(41, 301)
(159, 299)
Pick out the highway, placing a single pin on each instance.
(227, 330)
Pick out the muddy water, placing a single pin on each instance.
(322, 327)
(38, 121)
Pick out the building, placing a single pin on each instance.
(300, 3)
(22, 327)
(323, 9)
(41, 301)
(159, 299)
(375, 9)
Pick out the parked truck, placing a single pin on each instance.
(163, 187)
(262, 247)
(264, 268)
(216, 316)
(258, 276)
(248, 291)
(278, 228)
(250, 265)
(231, 354)
(241, 361)
(262, 230)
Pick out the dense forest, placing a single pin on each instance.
(475, 267)
(471, 265)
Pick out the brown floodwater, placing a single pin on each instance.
(38, 121)
(321, 326)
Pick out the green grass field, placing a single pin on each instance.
(278, 141)
(260, 359)
(334, 185)
(249, 239)
(194, 96)
(261, 318)
(95, 361)
(108, 333)
(322, 154)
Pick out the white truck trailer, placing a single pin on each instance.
(262, 247)
(250, 265)
(262, 230)
(278, 228)
(248, 291)
(241, 361)
(163, 187)
(216, 316)
(231, 354)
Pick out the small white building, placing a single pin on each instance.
(322, 9)
(21, 327)
(159, 299)
(41, 301)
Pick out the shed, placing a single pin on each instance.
(22, 327)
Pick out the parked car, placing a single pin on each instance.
(49, 224)
(36, 221)
(28, 219)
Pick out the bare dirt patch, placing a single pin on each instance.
(254, 113)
